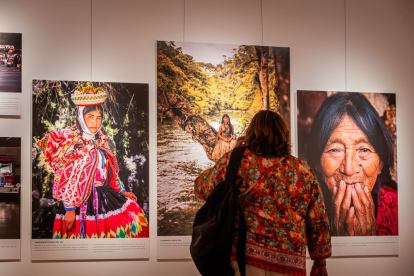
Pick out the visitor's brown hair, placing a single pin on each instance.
(268, 135)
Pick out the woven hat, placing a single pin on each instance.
(86, 95)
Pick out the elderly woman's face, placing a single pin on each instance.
(349, 156)
(93, 120)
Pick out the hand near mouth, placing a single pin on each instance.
(361, 219)
(354, 211)
(341, 200)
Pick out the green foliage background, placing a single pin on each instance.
(233, 84)
(125, 120)
(233, 87)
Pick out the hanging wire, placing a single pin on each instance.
(261, 17)
(91, 37)
(346, 76)
(184, 24)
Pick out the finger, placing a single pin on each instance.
(371, 211)
(346, 203)
(323, 271)
(360, 211)
(366, 199)
(357, 227)
(362, 195)
(314, 271)
(337, 201)
(338, 197)
(349, 222)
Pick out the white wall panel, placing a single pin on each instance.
(115, 41)
(125, 34)
(225, 22)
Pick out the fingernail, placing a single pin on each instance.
(353, 191)
(366, 189)
(351, 210)
(358, 186)
(335, 189)
(342, 183)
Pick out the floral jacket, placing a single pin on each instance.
(284, 212)
(75, 162)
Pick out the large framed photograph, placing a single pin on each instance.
(90, 170)
(10, 180)
(350, 141)
(206, 96)
(10, 73)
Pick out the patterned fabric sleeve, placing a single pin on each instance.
(209, 178)
(317, 224)
(50, 144)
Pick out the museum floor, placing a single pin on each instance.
(9, 217)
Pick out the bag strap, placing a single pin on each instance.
(232, 169)
(234, 163)
(241, 239)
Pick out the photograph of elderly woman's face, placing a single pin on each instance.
(349, 140)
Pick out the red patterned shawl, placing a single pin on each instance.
(75, 170)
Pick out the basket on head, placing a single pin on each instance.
(86, 95)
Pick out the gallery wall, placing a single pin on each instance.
(336, 45)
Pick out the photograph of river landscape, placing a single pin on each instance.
(197, 83)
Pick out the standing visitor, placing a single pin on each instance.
(282, 202)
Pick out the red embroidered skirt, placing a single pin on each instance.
(106, 214)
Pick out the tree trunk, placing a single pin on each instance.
(180, 112)
(282, 89)
(263, 56)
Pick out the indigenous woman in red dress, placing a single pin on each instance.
(93, 200)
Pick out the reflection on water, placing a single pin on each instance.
(180, 159)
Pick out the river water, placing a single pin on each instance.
(180, 159)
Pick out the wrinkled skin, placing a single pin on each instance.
(350, 167)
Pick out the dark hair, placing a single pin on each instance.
(268, 135)
(363, 114)
(229, 123)
(86, 110)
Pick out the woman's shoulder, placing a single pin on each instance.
(57, 138)
(292, 160)
(302, 165)
(65, 130)
(63, 133)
